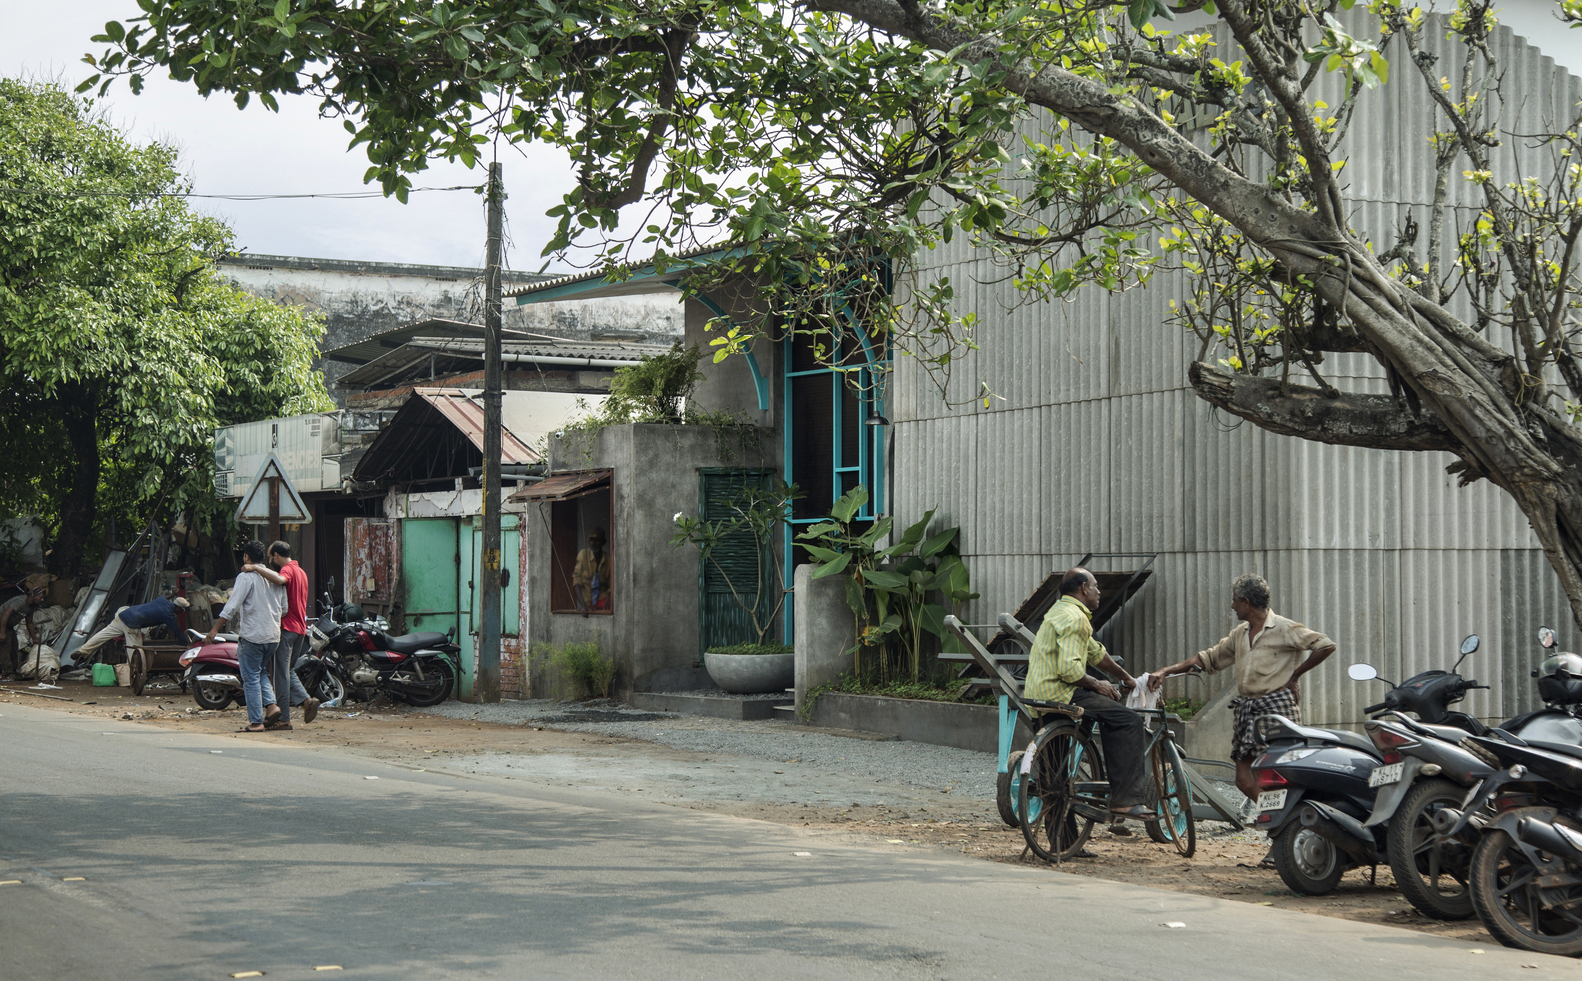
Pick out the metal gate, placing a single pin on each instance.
(440, 563)
(721, 619)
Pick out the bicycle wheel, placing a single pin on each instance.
(1175, 798)
(1063, 759)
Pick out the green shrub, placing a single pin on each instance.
(592, 670)
(753, 649)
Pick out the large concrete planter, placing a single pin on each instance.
(751, 674)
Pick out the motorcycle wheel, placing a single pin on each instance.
(1509, 904)
(1430, 872)
(210, 696)
(326, 687)
(1308, 863)
(439, 692)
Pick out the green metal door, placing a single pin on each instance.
(467, 562)
(510, 604)
(429, 561)
(722, 618)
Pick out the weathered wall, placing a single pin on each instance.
(360, 299)
(1100, 445)
(653, 631)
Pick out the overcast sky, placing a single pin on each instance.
(227, 150)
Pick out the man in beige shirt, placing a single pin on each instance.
(1267, 650)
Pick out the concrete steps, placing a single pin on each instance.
(711, 706)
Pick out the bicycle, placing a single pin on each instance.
(1062, 789)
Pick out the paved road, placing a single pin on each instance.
(202, 856)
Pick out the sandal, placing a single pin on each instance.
(1137, 811)
(277, 726)
(251, 729)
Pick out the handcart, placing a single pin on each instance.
(1181, 793)
(144, 660)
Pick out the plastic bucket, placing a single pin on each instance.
(103, 675)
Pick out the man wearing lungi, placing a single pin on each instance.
(1267, 650)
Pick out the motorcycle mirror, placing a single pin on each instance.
(1362, 672)
(1470, 644)
(1546, 636)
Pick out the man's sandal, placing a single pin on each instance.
(1136, 811)
(251, 729)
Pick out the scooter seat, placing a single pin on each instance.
(1564, 749)
(412, 643)
(1341, 736)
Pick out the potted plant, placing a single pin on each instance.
(761, 666)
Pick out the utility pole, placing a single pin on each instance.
(486, 669)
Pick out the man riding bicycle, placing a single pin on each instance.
(1057, 671)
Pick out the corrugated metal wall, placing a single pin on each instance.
(1099, 445)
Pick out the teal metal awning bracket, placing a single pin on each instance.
(760, 383)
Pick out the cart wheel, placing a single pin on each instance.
(1064, 760)
(1006, 789)
(138, 670)
(1175, 799)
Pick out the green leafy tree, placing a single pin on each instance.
(120, 346)
(1065, 138)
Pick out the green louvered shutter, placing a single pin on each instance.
(721, 619)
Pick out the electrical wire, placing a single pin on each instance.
(333, 196)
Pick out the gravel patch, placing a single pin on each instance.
(942, 769)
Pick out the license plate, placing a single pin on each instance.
(1271, 800)
(1389, 773)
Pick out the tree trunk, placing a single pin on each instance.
(78, 410)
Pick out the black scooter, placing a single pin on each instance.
(1317, 787)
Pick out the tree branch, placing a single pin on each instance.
(1374, 421)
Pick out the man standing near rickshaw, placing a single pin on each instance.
(1057, 671)
(1267, 650)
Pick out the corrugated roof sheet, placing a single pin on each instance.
(628, 287)
(563, 486)
(467, 416)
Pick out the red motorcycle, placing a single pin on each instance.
(214, 676)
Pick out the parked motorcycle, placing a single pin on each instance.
(1318, 788)
(1524, 820)
(214, 675)
(418, 668)
(1431, 770)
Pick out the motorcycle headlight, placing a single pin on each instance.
(1292, 756)
(188, 655)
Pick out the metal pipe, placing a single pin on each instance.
(1325, 822)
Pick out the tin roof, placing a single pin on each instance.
(373, 348)
(638, 279)
(429, 357)
(466, 415)
(564, 486)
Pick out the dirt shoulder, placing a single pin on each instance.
(908, 818)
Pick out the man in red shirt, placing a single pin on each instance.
(293, 632)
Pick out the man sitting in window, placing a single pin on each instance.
(591, 576)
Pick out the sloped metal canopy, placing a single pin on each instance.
(565, 486)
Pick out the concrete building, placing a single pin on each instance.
(361, 299)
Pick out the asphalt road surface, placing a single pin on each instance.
(144, 853)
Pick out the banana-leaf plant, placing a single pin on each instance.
(898, 604)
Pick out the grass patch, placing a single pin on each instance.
(924, 690)
(1184, 707)
(582, 663)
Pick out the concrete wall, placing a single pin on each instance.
(360, 299)
(653, 631)
(729, 384)
(823, 631)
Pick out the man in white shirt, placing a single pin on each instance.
(255, 607)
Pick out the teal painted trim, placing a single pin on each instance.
(787, 465)
(1007, 731)
(759, 381)
(676, 270)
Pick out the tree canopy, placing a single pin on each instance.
(121, 348)
(1081, 141)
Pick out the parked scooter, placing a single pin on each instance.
(1434, 772)
(1318, 787)
(419, 669)
(214, 675)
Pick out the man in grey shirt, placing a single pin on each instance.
(255, 607)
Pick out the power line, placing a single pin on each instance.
(333, 196)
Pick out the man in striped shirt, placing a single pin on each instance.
(1057, 671)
